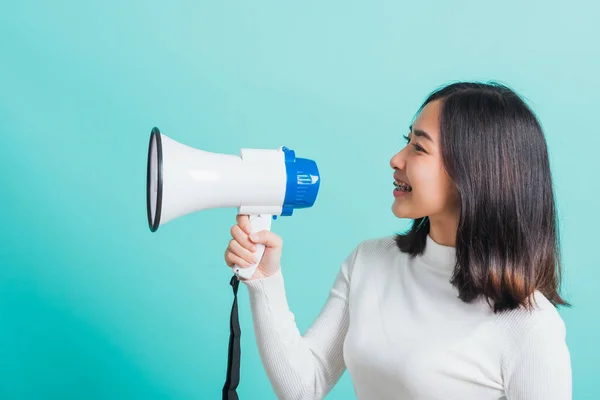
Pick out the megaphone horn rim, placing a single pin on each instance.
(156, 136)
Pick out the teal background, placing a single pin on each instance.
(95, 306)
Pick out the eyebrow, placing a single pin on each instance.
(420, 133)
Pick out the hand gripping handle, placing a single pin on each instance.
(258, 223)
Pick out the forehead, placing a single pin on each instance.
(428, 120)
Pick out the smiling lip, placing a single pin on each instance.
(397, 178)
(400, 193)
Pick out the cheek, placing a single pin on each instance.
(430, 183)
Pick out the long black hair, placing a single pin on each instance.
(494, 150)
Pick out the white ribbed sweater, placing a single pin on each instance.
(398, 327)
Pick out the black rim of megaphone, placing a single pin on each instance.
(159, 158)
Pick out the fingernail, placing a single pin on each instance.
(254, 236)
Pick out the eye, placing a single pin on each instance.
(416, 145)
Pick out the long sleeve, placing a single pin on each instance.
(540, 368)
(300, 366)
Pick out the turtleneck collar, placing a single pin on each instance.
(439, 257)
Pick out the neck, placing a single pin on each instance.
(443, 230)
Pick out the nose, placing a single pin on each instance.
(398, 161)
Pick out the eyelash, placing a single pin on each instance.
(416, 146)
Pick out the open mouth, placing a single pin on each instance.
(402, 187)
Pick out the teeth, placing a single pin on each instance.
(402, 186)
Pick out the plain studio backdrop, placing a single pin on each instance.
(95, 306)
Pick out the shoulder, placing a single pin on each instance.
(548, 321)
(543, 318)
(372, 252)
(379, 248)
(542, 326)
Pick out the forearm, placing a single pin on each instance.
(299, 367)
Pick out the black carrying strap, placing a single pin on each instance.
(233, 358)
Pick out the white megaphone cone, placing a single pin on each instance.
(261, 183)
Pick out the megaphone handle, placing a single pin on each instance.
(258, 223)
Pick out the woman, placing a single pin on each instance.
(462, 306)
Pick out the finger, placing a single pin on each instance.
(242, 238)
(244, 222)
(228, 261)
(241, 252)
(231, 260)
(268, 238)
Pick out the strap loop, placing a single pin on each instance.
(233, 359)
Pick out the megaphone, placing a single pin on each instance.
(261, 183)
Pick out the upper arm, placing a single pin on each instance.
(540, 366)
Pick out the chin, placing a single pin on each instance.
(403, 212)
(399, 211)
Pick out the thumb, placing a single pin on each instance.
(268, 238)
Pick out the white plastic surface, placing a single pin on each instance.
(195, 179)
(258, 223)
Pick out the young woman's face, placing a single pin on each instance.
(422, 185)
